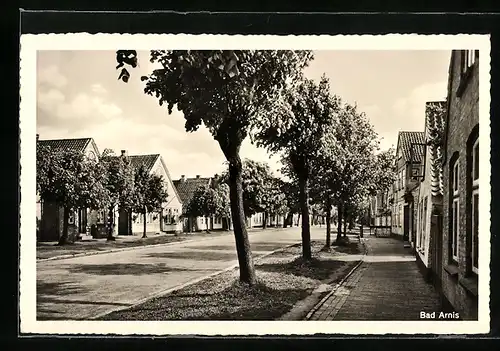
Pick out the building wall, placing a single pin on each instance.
(424, 211)
(398, 192)
(51, 224)
(463, 117)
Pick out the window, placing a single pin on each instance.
(469, 58)
(71, 217)
(100, 216)
(475, 207)
(424, 223)
(455, 211)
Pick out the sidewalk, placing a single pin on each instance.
(386, 286)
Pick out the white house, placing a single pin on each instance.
(50, 215)
(168, 219)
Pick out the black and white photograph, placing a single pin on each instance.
(198, 184)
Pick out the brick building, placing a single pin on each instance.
(459, 275)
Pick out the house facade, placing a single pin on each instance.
(460, 247)
(50, 215)
(430, 198)
(186, 188)
(409, 164)
(168, 219)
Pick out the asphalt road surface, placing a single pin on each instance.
(82, 288)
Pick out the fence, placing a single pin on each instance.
(380, 230)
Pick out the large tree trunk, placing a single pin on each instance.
(245, 259)
(345, 222)
(304, 206)
(340, 209)
(144, 213)
(328, 222)
(63, 240)
(110, 224)
(264, 223)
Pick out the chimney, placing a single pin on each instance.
(197, 176)
(183, 178)
(37, 137)
(124, 153)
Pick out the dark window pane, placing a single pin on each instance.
(476, 162)
(475, 234)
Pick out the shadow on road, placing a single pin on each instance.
(195, 255)
(125, 269)
(255, 247)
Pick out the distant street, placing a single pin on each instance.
(85, 287)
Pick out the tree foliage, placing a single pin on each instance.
(70, 179)
(119, 184)
(149, 193)
(297, 126)
(225, 91)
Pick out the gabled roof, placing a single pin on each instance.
(405, 142)
(147, 161)
(187, 186)
(77, 144)
(435, 125)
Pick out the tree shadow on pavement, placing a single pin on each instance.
(125, 269)
(196, 255)
(58, 288)
(271, 246)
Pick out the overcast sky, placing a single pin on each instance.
(79, 95)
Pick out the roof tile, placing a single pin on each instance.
(77, 144)
(406, 143)
(187, 186)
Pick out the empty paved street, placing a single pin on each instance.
(85, 287)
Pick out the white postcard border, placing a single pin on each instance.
(30, 44)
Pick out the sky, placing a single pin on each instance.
(79, 96)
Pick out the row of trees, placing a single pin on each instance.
(326, 145)
(72, 180)
(262, 192)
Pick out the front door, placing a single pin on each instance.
(123, 222)
(406, 222)
(82, 220)
(437, 249)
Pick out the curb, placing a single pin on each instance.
(181, 286)
(319, 304)
(91, 253)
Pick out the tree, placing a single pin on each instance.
(274, 201)
(291, 191)
(297, 126)
(222, 203)
(119, 184)
(224, 91)
(149, 194)
(255, 181)
(203, 203)
(70, 179)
